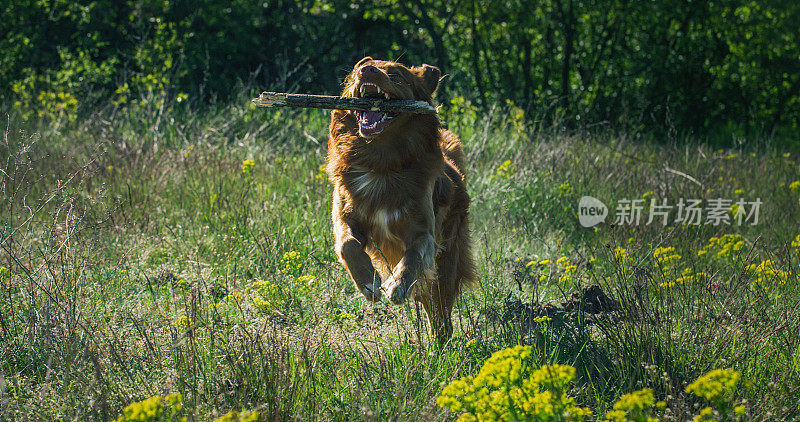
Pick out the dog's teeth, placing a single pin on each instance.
(386, 95)
(378, 88)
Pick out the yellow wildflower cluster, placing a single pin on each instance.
(501, 391)
(339, 315)
(322, 173)
(305, 280)
(183, 322)
(564, 189)
(687, 276)
(636, 406)
(265, 295)
(620, 253)
(705, 415)
(533, 266)
(796, 242)
(766, 274)
(264, 287)
(233, 298)
(666, 256)
(567, 268)
(717, 386)
(723, 247)
(263, 305)
(795, 186)
(292, 262)
(155, 408)
(505, 170)
(247, 165)
(234, 416)
(542, 319)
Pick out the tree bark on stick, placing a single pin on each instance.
(277, 99)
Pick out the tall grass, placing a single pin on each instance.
(142, 258)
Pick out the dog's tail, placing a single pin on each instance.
(453, 151)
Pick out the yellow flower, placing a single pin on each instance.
(547, 261)
(183, 322)
(795, 186)
(620, 253)
(634, 406)
(738, 191)
(666, 255)
(247, 165)
(322, 173)
(564, 189)
(234, 416)
(155, 408)
(716, 386)
(505, 170)
(706, 415)
(502, 391)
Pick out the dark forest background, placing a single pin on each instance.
(684, 66)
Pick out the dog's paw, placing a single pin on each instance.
(395, 290)
(372, 292)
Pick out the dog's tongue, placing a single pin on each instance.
(371, 117)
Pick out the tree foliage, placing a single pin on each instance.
(684, 64)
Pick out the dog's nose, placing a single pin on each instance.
(368, 70)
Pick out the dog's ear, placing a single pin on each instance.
(430, 77)
(362, 61)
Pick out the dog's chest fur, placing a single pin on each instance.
(384, 199)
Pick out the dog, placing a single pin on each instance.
(400, 204)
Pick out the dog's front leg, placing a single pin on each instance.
(350, 241)
(417, 260)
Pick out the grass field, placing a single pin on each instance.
(165, 248)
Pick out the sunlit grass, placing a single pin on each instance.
(196, 258)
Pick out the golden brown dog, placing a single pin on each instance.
(400, 206)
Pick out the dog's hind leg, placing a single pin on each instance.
(437, 300)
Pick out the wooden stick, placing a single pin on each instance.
(278, 99)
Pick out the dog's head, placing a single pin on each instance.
(386, 79)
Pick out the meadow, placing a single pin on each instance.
(163, 247)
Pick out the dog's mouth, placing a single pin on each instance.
(372, 123)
